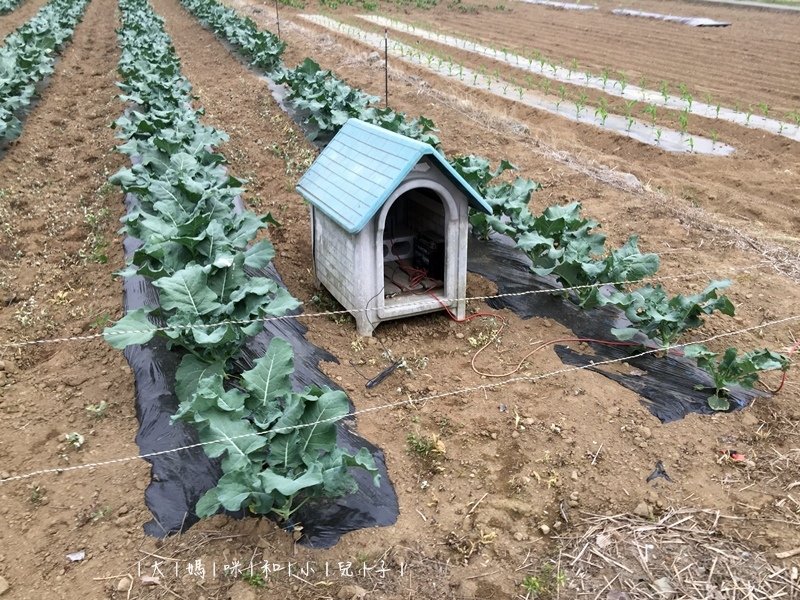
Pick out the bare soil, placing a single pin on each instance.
(508, 461)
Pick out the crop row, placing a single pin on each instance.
(6, 6)
(560, 242)
(613, 84)
(198, 248)
(28, 56)
(575, 109)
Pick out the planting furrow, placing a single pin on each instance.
(605, 83)
(28, 56)
(578, 111)
(197, 247)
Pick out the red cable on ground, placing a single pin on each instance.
(524, 358)
(792, 349)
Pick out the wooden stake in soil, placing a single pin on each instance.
(385, 63)
(278, 19)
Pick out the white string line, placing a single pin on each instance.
(95, 336)
(530, 378)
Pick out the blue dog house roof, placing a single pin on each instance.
(362, 166)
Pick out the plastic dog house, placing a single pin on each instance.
(389, 225)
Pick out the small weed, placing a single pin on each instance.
(545, 583)
(424, 446)
(100, 321)
(255, 579)
(37, 494)
(97, 410)
(75, 439)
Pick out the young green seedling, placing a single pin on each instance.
(602, 111)
(623, 82)
(652, 110)
(604, 74)
(683, 120)
(733, 370)
(664, 90)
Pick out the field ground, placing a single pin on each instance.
(515, 490)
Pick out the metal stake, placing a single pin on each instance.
(386, 63)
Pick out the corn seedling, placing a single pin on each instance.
(623, 82)
(714, 137)
(690, 141)
(683, 120)
(546, 86)
(580, 103)
(658, 136)
(573, 66)
(629, 119)
(520, 91)
(602, 111)
(652, 110)
(764, 107)
(664, 89)
(717, 111)
(747, 117)
(604, 74)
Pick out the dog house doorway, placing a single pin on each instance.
(416, 231)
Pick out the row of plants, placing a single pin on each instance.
(28, 55)
(659, 93)
(6, 6)
(560, 242)
(201, 253)
(574, 108)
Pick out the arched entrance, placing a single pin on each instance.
(416, 228)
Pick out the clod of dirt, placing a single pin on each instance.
(352, 592)
(544, 529)
(242, 590)
(644, 510)
(124, 584)
(4, 586)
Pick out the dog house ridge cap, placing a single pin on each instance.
(337, 185)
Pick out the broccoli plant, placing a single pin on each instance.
(658, 316)
(732, 369)
(278, 447)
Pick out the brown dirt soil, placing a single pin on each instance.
(509, 460)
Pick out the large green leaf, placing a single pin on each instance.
(133, 328)
(270, 378)
(187, 291)
(191, 371)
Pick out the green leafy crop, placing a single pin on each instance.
(652, 312)
(199, 250)
(328, 103)
(279, 446)
(732, 369)
(27, 56)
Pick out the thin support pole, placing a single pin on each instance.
(386, 63)
(277, 19)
